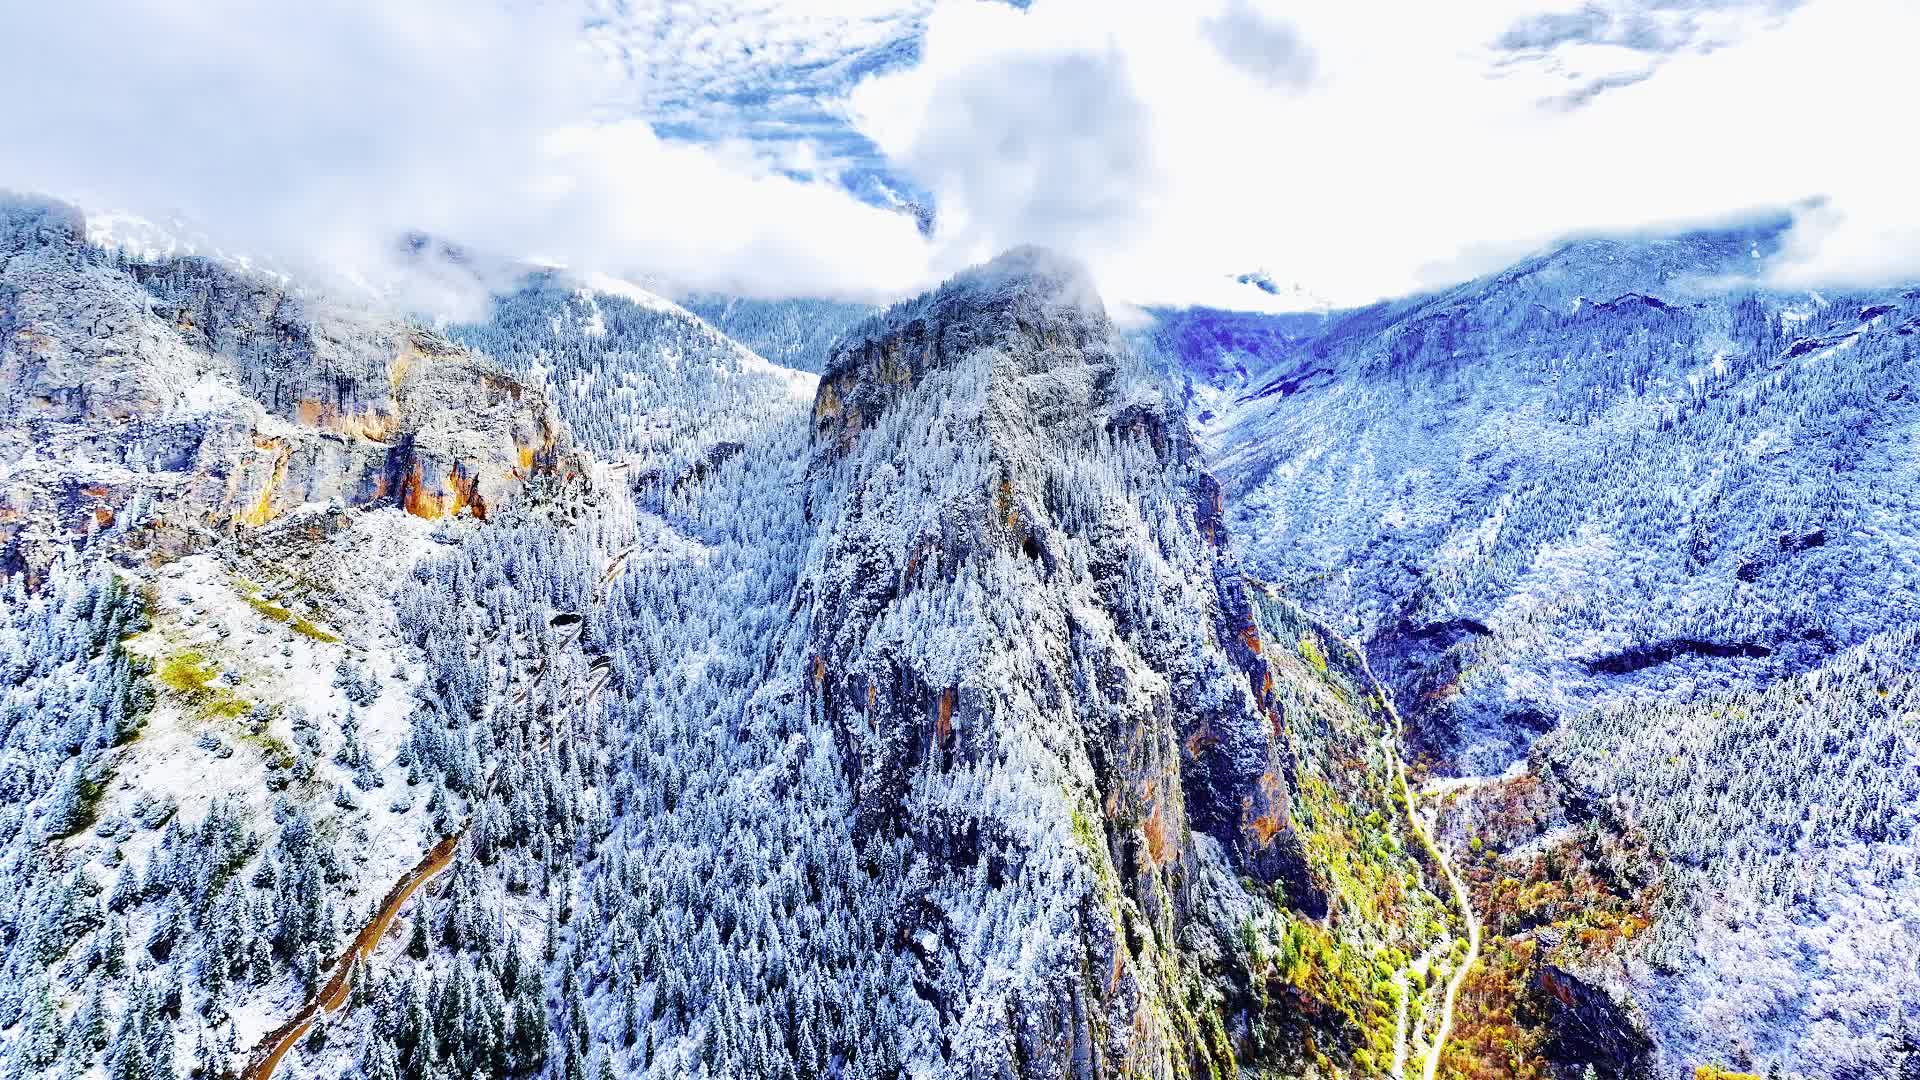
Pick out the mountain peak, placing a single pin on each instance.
(1025, 629)
(1022, 286)
(1031, 272)
(1028, 311)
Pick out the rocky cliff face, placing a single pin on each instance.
(917, 724)
(1028, 634)
(1074, 480)
(231, 399)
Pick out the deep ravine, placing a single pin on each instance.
(1423, 827)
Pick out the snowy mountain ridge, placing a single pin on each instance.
(1613, 483)
(572, 692)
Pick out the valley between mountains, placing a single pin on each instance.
(1511, 681)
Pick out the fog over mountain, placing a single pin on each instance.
(959, 539)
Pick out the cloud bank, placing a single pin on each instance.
(1365, 155)
(313, 135)
(1175, 148)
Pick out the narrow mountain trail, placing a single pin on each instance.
(332, 996)
(1460, 974)
(1401, 989)
(612, 571)
(539, 672)
(1423, 827)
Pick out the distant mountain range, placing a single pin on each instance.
(1606, 495)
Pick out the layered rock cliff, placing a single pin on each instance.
(1028, 634)
(229, 399)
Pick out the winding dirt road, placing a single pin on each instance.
(333, 994)
(1423, 827)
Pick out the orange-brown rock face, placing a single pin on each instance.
(437, 434)
(990, 471)
(221, 401)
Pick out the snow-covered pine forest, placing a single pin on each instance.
(577, 693)
(730, 729)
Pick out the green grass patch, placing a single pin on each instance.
(278, 754)
(1310, 649)
(187, 672)
(299, 624)
(191, 677)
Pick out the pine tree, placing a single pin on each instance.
(127, 1053)
(415, 1039)
(378, 1061)
(629, 1016)
(87, 1031)
(417, 944)
(113, 951)
(38, 1043)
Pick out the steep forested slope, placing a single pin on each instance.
(210, 726)
(796, 333)
(1598, 473)
(1616, 501)
(919, 723)
(1784, 823)
(1727, 880)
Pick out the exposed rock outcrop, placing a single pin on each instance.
(230, 400)
(1047, 675)
(1588, 1024)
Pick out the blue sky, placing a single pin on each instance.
(1343, 151)
(778, 91)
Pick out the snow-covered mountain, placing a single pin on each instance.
(230, 398)
(219, 497)
(641, 380)
(1614, 494)
(1063, 706)
(651, 709)
(573, 691)
(1599, 472)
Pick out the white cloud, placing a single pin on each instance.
(1354, 153)
(707, 218)
(1040, 137)
(1263, 45)
(1417, 152)
(316, 133)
